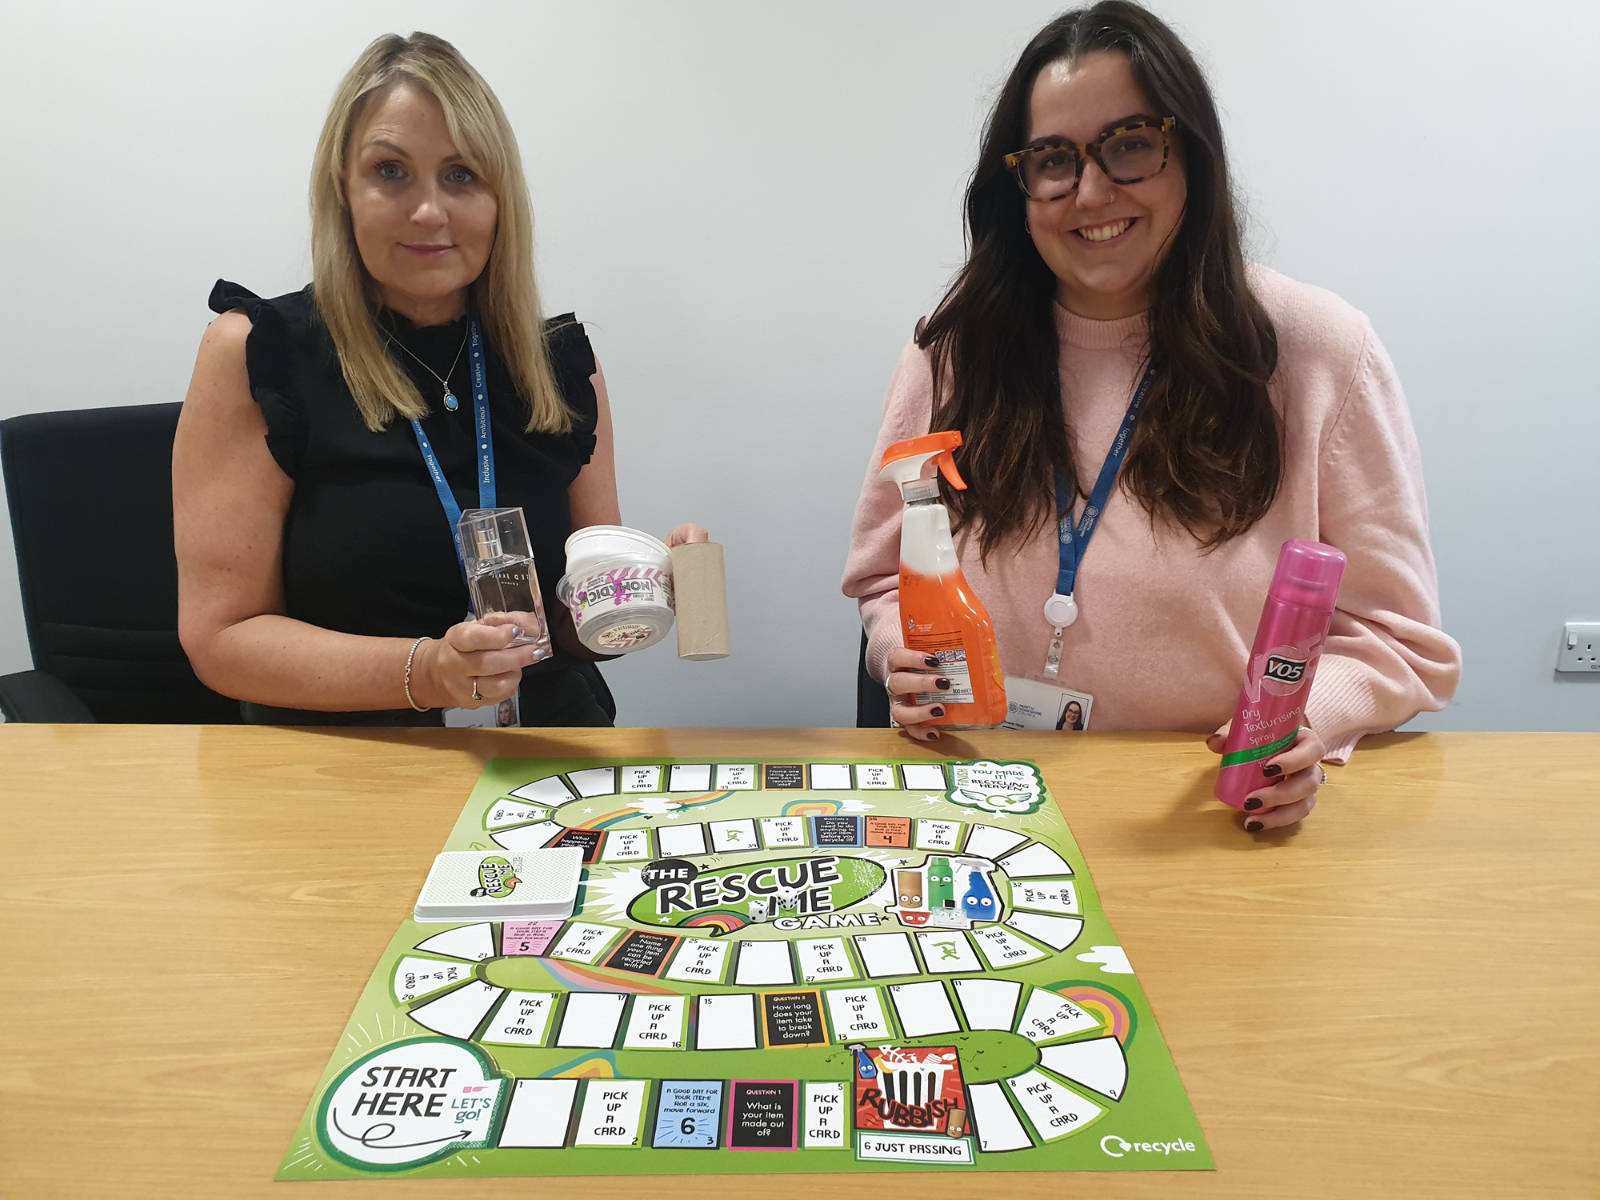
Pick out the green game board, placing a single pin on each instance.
(777, 966)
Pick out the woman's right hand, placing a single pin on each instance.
(474, 656)
(910, 672)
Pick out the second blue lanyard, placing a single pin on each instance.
(485, 438)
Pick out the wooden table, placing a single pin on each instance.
(1400, 1000)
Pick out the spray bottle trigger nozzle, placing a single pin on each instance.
(947, 468)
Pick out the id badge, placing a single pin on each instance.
(491, 716)
(1032, 704)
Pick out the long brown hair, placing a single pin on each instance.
(1207, 449)
(504, 295)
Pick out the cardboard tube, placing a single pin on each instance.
(700, 596)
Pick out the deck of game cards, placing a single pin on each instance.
(513, 885)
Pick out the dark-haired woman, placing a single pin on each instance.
(1121, 377)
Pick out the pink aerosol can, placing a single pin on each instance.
(1277, 679)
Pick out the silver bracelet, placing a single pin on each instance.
(410, 658)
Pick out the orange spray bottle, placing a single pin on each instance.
(939, 612)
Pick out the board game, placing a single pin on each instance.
(771, 967)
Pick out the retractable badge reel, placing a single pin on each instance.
(1059, 611)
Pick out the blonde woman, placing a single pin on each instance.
(328, 436)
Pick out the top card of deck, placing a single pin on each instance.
(514, 885)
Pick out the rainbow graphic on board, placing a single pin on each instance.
(584, 979)
(718, 921)
(589, 1066)
(1111, 1006)
(811, 808)
(606, 820)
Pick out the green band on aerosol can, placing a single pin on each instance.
(1260, 752)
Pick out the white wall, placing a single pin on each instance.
(750, 204)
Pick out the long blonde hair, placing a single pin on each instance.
(504, 295)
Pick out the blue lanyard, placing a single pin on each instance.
(1074, 539)
(486, 486)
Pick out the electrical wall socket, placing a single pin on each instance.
(1580, 647)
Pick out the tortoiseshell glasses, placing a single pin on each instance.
(1129, 153)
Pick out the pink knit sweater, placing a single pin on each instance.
(1164, 629)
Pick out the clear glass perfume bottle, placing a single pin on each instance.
(500, 571)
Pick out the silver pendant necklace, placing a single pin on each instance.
(450, 401)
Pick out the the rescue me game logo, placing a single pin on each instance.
(909, 1089)
(496, 877)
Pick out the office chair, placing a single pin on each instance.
(872, 702)
(90, 494)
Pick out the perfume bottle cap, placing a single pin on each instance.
(486, 541)
(492, 535)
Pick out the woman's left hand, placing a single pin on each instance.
(1289, 782)
(687, 533)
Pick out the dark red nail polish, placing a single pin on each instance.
(942, 683)
(937, 710)
(1252, 804)
(1253, 826)
(1272, 770)
(931, 661)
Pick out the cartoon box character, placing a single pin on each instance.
(908, 890)
(914, 1088)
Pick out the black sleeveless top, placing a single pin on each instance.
(367, 548)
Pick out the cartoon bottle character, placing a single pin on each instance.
(941, 885)
(865, 1067)
(978, 903)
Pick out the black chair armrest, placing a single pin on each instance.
(40, 697)
(872, 702)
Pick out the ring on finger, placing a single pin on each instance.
(475, 693)
(1324, 774)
